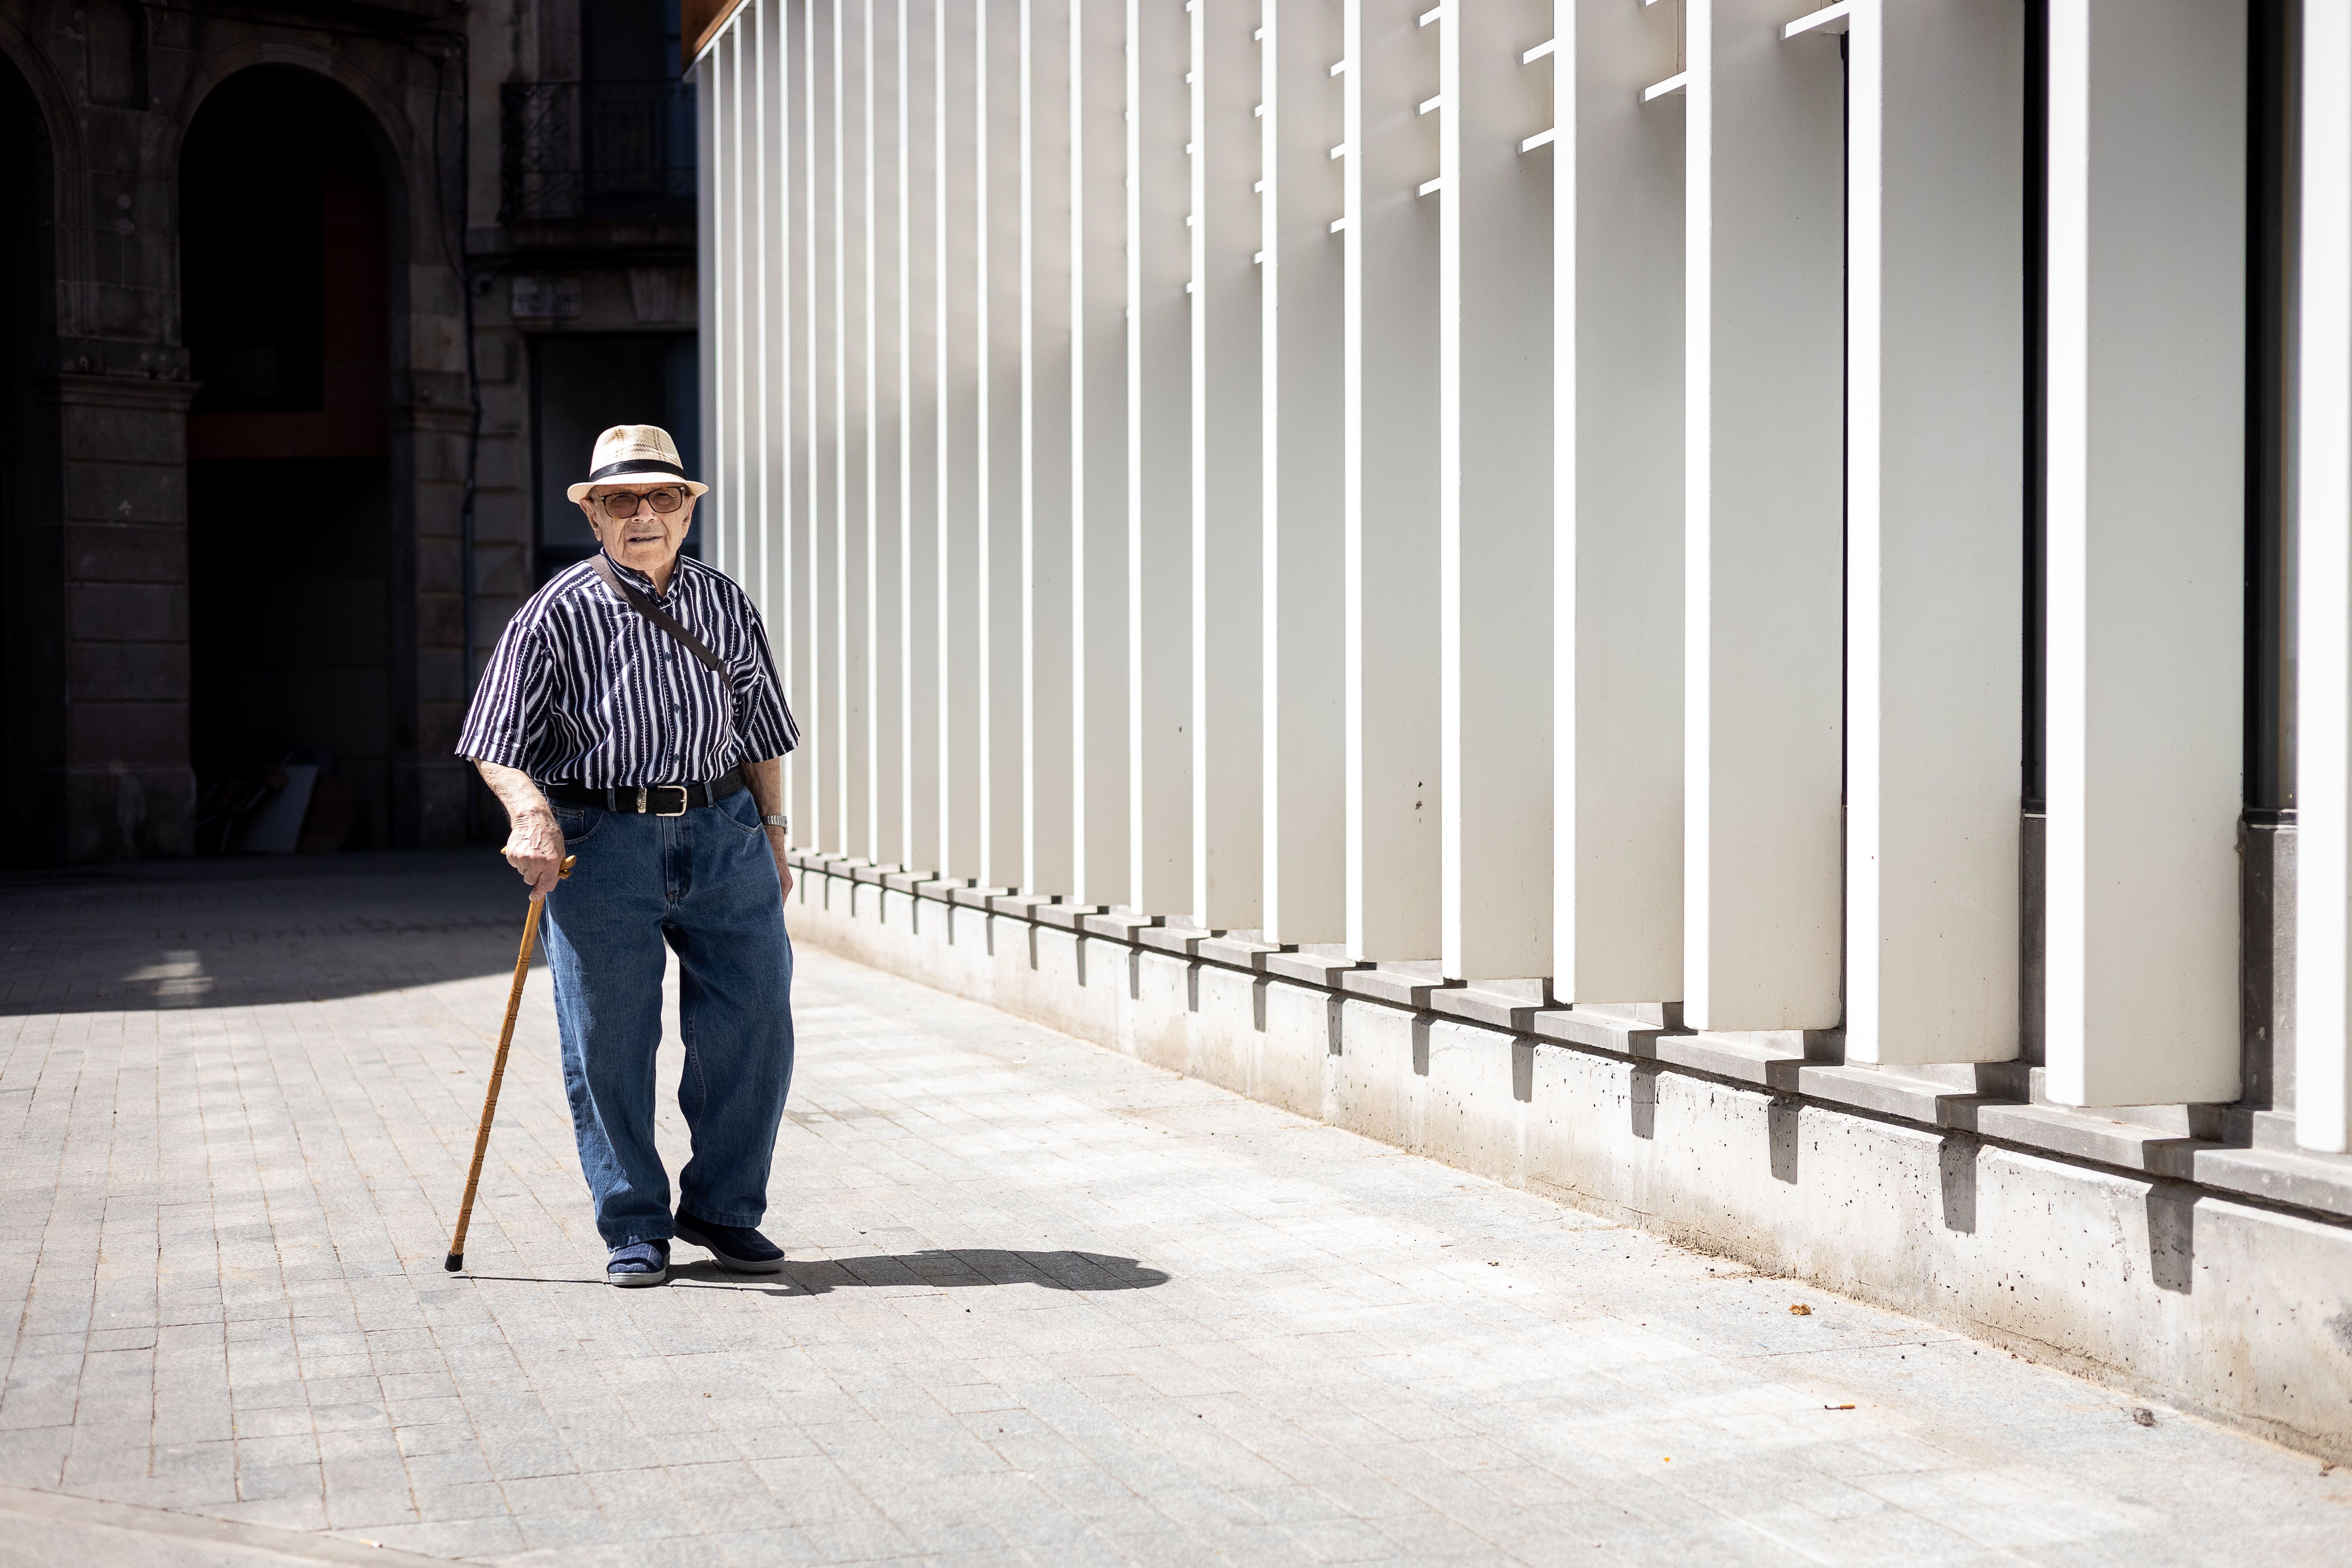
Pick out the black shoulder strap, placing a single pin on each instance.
(656, 614)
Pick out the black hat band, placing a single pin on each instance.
(635, 466)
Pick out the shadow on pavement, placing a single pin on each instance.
(940, 1269)
(251, 931)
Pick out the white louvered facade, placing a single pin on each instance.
(1701, 506)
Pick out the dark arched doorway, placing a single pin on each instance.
(29, 744)
(284, 278)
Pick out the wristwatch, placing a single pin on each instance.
(777, 819)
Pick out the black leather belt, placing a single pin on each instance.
(659, 800)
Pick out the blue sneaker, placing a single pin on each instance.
(638, 1264)
(737, 1247)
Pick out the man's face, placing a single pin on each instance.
(647, 538)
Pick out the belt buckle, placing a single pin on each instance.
(682, 799)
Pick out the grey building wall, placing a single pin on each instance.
(98, 98)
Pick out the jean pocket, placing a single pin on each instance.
(741, 809)
(579, 823)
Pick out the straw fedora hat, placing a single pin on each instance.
(633, 455)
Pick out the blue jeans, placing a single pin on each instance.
(706, 884)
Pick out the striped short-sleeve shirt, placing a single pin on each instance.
(585, 690)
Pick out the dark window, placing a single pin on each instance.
(254, 200)
(628, 40)
(617, 144)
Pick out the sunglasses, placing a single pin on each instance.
(625, 504)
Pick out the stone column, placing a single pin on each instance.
(1049, 855)
(1617, 501)
(764, 555)
(819, 601)
(958, 382)
(719, 107)
(796, 268)
(2323, 857)
(1935, 530)
(1159, 458)
(2147, 547)
(853, 438)
(885, 679)
(430, 685)
(1390, 539)
(919, 432)
(1228, 801)
(1495, 501)
(1098, 531)
(996, 147)
(1764, 385)
(729, 515)
(117, 784)
(1303, 405)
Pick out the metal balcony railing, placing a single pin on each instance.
(596, 150)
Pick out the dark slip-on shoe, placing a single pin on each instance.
(737, 1247)
(640, 1263)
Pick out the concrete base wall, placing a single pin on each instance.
(2237, 1309)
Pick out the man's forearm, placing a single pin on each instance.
(767, 781)
(534, 843)
(516, 793)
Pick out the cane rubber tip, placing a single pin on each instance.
(456, 1261)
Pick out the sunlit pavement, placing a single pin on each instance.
(1046, 1305)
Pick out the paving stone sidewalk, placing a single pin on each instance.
(1046, 1305)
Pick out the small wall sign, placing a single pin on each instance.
(547, 297)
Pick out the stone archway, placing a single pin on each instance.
(285, 289)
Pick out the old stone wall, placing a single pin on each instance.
(107, 756)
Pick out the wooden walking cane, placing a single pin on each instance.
(498, 1074)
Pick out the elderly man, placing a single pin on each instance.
(631, 718)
